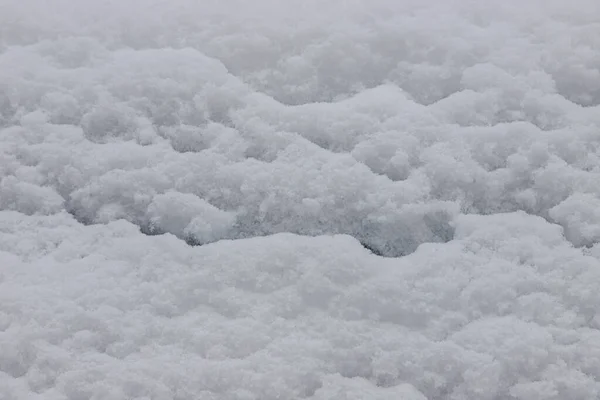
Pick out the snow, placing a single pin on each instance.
(296, 199)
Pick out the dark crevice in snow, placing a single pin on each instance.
(399, 242)
(394, 236)
(372, 249)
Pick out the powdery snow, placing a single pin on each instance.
(339, 200)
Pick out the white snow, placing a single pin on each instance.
(286, 199)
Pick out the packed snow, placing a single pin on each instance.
(299, 199)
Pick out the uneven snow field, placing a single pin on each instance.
(299, 199)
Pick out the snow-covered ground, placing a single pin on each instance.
(299, 199)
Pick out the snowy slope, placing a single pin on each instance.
(296, 199)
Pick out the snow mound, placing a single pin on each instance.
(507, 309)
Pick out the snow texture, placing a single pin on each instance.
(299, 199)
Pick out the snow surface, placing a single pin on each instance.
(288, 199)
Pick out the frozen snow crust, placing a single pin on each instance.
(292, 144)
